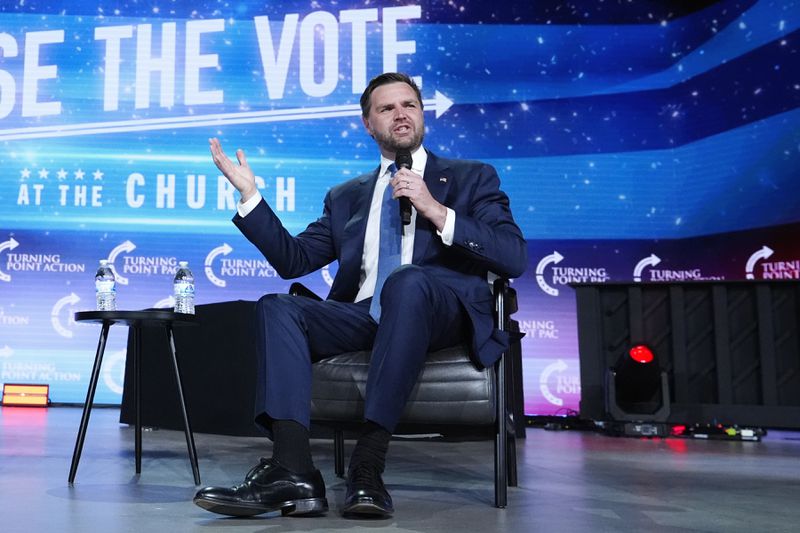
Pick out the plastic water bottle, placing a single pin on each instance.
(183, 289)
(105, 287)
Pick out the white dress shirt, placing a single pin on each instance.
(369, 258)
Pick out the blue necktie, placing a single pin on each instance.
(389, 246)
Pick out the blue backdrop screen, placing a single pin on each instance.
(622, 133)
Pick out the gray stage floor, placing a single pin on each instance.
(570, 481)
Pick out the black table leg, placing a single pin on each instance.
(186, 426)
(137, 394)
(87, 406)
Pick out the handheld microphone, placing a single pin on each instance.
(402, 159)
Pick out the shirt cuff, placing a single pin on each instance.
(449, 228)
(244, 208)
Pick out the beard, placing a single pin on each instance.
(390, 144)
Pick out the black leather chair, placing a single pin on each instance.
(453, 397)
(452, 392)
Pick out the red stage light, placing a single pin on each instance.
(641, 354)
(678, 430)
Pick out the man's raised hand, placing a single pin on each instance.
(240, 176)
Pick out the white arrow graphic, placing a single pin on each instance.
(553, 258)
(169, 301)
(10, 244)
(7, 245)
(126, 246)
(225, 249)
(651, 261)
(764, 253)
(439, 103)
(559, 366)
(72, 299)
(6, 351)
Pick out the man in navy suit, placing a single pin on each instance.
(461, 230)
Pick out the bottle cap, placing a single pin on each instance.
(183, 263)
(104, 262)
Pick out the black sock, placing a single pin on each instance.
(291, 447)
(371, 446)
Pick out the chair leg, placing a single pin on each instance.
(338, 451)
(501, 440)
(511, 423)
(512, 461)
(87, 406)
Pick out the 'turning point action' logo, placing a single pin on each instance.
(236, 268)
(7, 245)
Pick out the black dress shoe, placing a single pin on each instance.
(366, 494)
(268, 487)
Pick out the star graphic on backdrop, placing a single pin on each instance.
(25, 173)
(62, 174)
(97, 175)
(43, 173)
(79, 174)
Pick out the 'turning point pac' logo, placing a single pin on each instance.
(127, 247)
(559, 275)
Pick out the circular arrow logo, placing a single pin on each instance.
(225, 249)
(126, 247)
(764, 253)
(7, 245)
(559, 366)
(650, 261)
(55, 314)
(547, 260)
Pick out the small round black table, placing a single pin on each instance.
(135, 320)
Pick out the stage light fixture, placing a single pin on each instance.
(637, 390)
(26, 395)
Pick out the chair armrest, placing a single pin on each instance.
(505, 302)
(298, 289)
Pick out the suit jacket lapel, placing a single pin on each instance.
(438, 182)
(355, 228)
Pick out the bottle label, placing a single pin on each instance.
(104, 286)
(183, 288)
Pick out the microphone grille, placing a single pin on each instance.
(402, 158)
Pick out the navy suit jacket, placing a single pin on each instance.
(486, 239)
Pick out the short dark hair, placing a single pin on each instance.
(384, 79)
